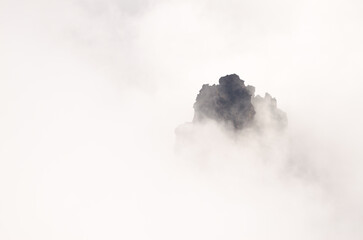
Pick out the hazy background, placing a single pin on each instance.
(92, 91)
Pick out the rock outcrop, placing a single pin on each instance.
(233, 103)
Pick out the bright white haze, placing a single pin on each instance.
(91, 93)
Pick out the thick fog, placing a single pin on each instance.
(98, 141)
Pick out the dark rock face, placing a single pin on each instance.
(234, 103)
(230, 101)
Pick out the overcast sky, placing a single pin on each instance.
(91, 92)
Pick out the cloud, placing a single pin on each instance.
(91, 92)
